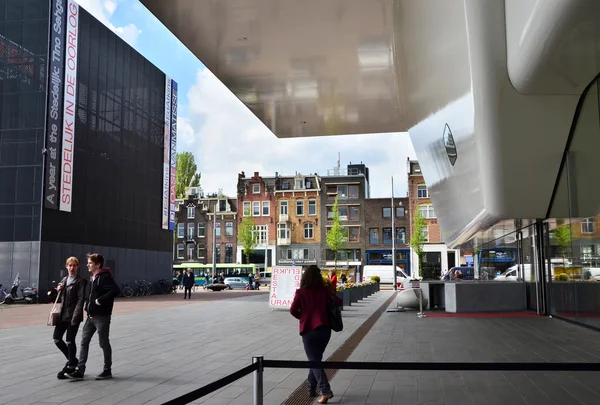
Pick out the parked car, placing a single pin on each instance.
(236, 282)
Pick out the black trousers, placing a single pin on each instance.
(187, 292)
(69, 349)
(315, 343)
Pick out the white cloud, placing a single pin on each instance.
(226, 138)
(110, 6)
(103, 10)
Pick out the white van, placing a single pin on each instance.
(385, 273)
(512, 273)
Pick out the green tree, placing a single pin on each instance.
(418, 239)
(563, 238)
(187, 173)
(337, 235)
(246, 235)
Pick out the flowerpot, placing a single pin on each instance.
(340, 295)
(365, 292)
(355, 295)
(346, 298)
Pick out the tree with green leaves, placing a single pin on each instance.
(418, 239)
(563, 238)
(187, 173)
(246, 235)
(337, 235)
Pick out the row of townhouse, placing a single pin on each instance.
(292, 215)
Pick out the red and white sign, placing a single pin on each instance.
(167, 156)
(69, 107)
(284, 283)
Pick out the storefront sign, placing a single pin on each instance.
(173, 154)
(55, 104)
(166, 203)
(284, 283)
(70, 107)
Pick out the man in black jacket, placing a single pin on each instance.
(101, 294)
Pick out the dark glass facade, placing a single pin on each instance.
(118, 151)
(117, 168)
(23, 78)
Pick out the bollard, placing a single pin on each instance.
(421, 314)
(258, 380)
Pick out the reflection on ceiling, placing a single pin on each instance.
(305, 68)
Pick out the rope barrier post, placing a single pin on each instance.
(421, 314)
(258, 380)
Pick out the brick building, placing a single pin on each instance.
(298, 215)
(351, 186)
(438, 258)
(256, 198)
(378, 225)
(193, 239)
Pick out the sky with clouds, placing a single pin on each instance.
(225, 137)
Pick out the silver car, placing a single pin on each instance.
(236, 282)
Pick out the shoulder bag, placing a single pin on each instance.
(334, 314)
(54, 317)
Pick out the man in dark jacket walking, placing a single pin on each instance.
(188, 283)
(72, 296)
(101, 294)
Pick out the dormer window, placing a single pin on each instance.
(285, 185)
(191, 212)
(299, 184)
(256, 188)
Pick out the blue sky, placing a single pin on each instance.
(224, 136)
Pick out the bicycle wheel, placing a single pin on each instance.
(128, 292)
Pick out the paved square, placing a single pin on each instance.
(165, 351)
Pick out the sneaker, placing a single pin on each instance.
(325, 398)
(105, 375)
(312, 394)
(66, 369)
(76, 375)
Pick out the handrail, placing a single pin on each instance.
(213, 386)
(432, 366)
(259, 364)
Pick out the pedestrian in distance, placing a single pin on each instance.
(333, 279)
(188, 283)
(101, 293)
(71, 294)
(310, 308)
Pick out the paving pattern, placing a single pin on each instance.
(161, 352)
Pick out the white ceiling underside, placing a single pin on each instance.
(504, 74)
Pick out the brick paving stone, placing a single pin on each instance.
(402, 337)
(163, 348)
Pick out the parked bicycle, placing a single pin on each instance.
(127, 291)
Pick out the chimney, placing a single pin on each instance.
(255, 174)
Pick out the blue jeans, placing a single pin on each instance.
(315, 343)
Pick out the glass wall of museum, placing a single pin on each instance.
(573, 238)
(119, 138)
(23, 58)
(512, 258)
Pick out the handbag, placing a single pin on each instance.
(334, 314)
(54, 316)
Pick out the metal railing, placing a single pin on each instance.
(259, 364)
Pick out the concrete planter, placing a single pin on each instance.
(355, 294)
(346, 298)
(340, 295)
(365, 292)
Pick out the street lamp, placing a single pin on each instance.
(394, 239)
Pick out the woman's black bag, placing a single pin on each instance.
(335, 315)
